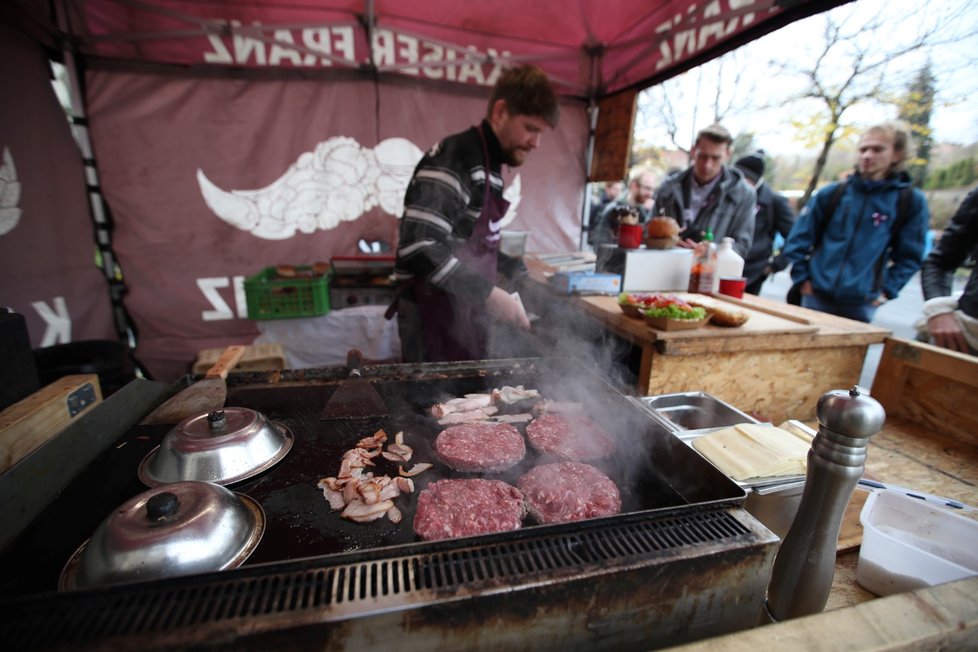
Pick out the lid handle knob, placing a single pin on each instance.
(161, 505)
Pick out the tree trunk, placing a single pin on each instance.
(823, 157)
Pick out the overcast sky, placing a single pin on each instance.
(955, 117)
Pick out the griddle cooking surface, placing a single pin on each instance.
(653, 471)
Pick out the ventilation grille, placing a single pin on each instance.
(74, 619)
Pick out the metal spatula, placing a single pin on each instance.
(355, 398)
(204, 396)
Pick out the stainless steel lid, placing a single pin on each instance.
(224, 447)
(177, 529)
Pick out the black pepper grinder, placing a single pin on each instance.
(803, 570)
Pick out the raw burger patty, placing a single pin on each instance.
(462, 508)
(568, 491)
(574, 438)
(480, 447)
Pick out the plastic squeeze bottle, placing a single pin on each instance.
(704, 265)
(729, 263)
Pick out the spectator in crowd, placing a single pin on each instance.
(709, 195)
(772, 216)
(952, 321)
(641, 186)
(858, 241)
(610, 192)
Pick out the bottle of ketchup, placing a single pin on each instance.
(704, 265)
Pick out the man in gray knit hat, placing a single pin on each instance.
(772, 216)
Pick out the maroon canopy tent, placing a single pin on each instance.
(219, 137)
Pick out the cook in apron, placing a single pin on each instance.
(452, 327)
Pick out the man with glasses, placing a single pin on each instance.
(710, 195)
(641, 188)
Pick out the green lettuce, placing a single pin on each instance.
(675, 312)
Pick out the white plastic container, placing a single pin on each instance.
(908, 543)
(729, 263)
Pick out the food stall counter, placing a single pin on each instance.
(774, 366)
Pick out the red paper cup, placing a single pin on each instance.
(733, 287)
(630, 236)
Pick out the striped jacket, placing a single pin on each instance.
(441, 206)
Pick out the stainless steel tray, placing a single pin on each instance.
(690, 414)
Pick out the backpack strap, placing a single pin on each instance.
(829, 211)
(904, 208)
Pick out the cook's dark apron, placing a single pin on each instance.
(455, 328)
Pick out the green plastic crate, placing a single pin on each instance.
(271, 297)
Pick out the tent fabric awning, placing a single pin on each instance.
(590, 48)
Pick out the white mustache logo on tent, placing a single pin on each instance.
(337, 182)
(9, 194)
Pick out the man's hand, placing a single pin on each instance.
(806, 288)
(945, 331)
(502, 307)
(687, 244)
(880, 300)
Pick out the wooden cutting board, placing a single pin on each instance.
(759, 322)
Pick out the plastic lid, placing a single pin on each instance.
(708, 236)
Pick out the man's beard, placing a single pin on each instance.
(511, 158)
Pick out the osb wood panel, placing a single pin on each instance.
(940, 404)
(929, 385)
(772, 385)
(943, 617)
(908, 455)
(845, 591)
(917, 457)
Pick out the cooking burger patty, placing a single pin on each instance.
(576, 438)
(462, 508)
(568, 491)
(480, 447)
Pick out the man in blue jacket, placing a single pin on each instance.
(851, 259)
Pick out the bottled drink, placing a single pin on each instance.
(704, 265)
(729, 263)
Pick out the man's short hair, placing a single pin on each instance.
(716, 133)
(527, 91)
(898, 132)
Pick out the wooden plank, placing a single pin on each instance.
(929, 386)
(915, 456)
(773, 385)
(937, 618)
(29, 423)
(777, 311)
(758, 323)
(256, 357)
(764, 331)
(613, 137)
(851, 531)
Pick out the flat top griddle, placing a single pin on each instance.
(653, 469)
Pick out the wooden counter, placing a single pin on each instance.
(775, 366)
(928, 443)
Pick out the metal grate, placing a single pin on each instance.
(74, 619)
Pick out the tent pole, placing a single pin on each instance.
(592, 110)
(98, 208)
(594, 54)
